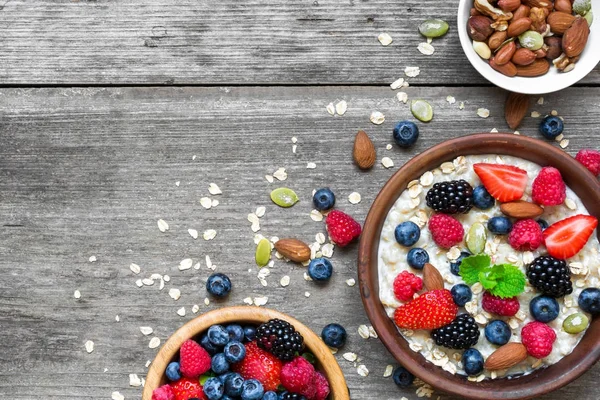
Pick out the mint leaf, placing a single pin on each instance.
(510, 282)
(472, 266)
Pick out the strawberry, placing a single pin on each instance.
(548, 188)
(187, 388)
(260, 365)
(193, 359)
(431, 310)
(504, 182)
(567, 237)
(342, 228)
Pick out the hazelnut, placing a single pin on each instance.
(479, 28)
(554, 45)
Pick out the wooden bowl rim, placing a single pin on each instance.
(245, 314)
(540, 382)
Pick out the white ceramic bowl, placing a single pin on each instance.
(551, 82)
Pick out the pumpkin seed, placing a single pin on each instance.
(263, 253)
(531, 40)
(589, 17)
(581, 7)
(576, 323)
(284, 197)
(476, 238)
(421, 110)
(433, 28)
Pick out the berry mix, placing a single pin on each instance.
(247, 363)
(488, 265)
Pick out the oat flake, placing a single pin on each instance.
(134, 380)
(426, 49)
(181, 312)
(311, 165)
(280, 174)
(154, 342)
(387, 162)
(269, 178)
(306, 294)
(397, 84)
(117, 318)
(327, 250)
(206, 202)
(483, 112)
(535, 114)
(195, 308)
(388, 371)
(350, 282)
(363, 331)
(193, 233)
(146, 330)
(564, 143)
(571, 205)
(175, 294)
(117, 396)
(540, 101)
(461, 106)
(450, 99)
(139, 283)
(89, 346)
(402, 97)
(412, 72)
(214, 189)
(350, 357)
(261, 301)
(388, 146)
(362, 370)
(209, 234)
(385, 39)
(162, 225)
(316, 215)
(284, 281)
(341, 107)
(377, 117)
(135, 268)
(354, 198)
(185, 264)
(330, 109)
(320, 238)
(92, 259)
(77, 294)
(260, 211)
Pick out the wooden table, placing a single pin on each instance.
(117, 114)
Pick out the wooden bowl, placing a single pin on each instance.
(542, 381)
(245, 315)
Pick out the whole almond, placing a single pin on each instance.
(518, 26)
(505, 53)
(497, 39)
(364, 151)
(509, 5)
(521, 12)
(564, 6)
(559, 22)
(537, 68)
(576, 37)
(521, 209)
(523, 56)
(515, 109)
(294, 249)
(539, 3)
(506, 356)
(432, 279)
(508, 69)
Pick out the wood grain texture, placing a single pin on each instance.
(89, 172)
(226, 42)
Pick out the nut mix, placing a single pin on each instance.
(522, 37)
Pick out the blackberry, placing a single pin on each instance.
(279, 338)
(461, 333)
(292, 396)
(451, 197)
(550, 276)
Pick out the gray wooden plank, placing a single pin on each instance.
(226, 42)
(89, 171)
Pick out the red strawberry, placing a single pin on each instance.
(297, 376)
(322, 386)
(342, 228)
(548, 188)
(567, 237)
(165, 392)
(193, 359)
(406, 285)
(260, 365)
(504, 182)
(187, 388)
(538, 339)
(430, 310)
(499, 306)
(590, 159)
(445, 230)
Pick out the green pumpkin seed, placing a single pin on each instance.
(433, 28)
(531, 40)
(576, 323)
(284, 197)
(263, 253)
(589, 17)
(476, 238)
(581, 7)
(422, 110)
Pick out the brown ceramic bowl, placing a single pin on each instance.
(327, 364)
(540, 382)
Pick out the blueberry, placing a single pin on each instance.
(208, 345)
(497, 332)
(234, 352)
(455, 266)
(250, 332)
(320, 269)
(482, 199)
(589, 301)
(233, 384)
(407, 233)
(406, 133)
(461, 294)
(223, 377)
(270, 396)
(225, 397)
(218, 285)
(172, 372)
(402, 377)
(417, 258)
(252, 390)
(499, 225)
(544, 308)
(324, 199)
(219, 364)
(334, 335)
(543, 224)
(551, 127)
(218, 335)
(472, 362)
(236, 332)
(213, 389)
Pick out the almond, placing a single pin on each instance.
(539, 3)
(506, 356)
(518, 26)
(522, 12)
(497, 39)
(364, 151)
(515, 109)
(576, 37)
(521, 209)
(559, 22)
(432, 279)
(509, 5)
(294, 249)
(507, 69)
(539, 67)
(505, 53)
(524, 56)
(564, 6)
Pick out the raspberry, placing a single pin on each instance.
(548, 188)
(496, 305)
(342, 228)
(193, 359)
(164, 392)
(445, 230)
(406, 285)
(538, 339)
(590, 159)
(322, 386)
(526, 235)
(298, 376)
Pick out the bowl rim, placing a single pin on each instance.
(245, 314)
(543, 381)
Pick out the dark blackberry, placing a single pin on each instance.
(461, 333)
(451, 197)
(292, 396)
(279, 338)
(550, 276)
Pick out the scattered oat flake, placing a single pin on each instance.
(554, 113)
(564, 143)
(388, 371)
(135, 268)
(377, 117)
(483, 112)
(209, 234)
(327, 250)
(341, 107)
(193, 233)
(148, 281)
(294, 139)
(387, 162)
(154, 342)
(285, 281)
(185, 264)
(426, 49)
(214, 189)
(195, 308)
(388, 146)
(92, 259)
(354, 198)
(117, 318)
(206, 301)
(260, 211)
(350, 357)
(261, 301)
(269, 178)
(330, 108)
(206, 202)
(540, 101)
(306, 294)
(139, 283)
(177, 183)
(134, 380)
(175, 293)
(402, 97)
(117, 396)
(146, 330)
(89, 346)
(535, 114)
(412, 72)
(248, 300)
(363, 331)
(350, 282)
(362, 370)
(559, 137)
(397, 84)
(316, 215)
(280, 174)
(77, 294)
(461, 106)
(294, 147)
(181, 312)
(311, 165)
(385, 39)
(162, 225)
(450, 99)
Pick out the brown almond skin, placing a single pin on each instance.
(537, 68)
(497, 39)
(364, 151)
(521, 12)
(559, 22)
(539, 3)
(479, 28)
(432, 279)
(509, 5)
(523, 57)
(521, 209)
(505, 53)
(541, 53)
(515, 109)
(506, 356)
(294, 249)
(508, 69)
(576, 37)
(564, 6)
(554, 47)
(518, 26)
